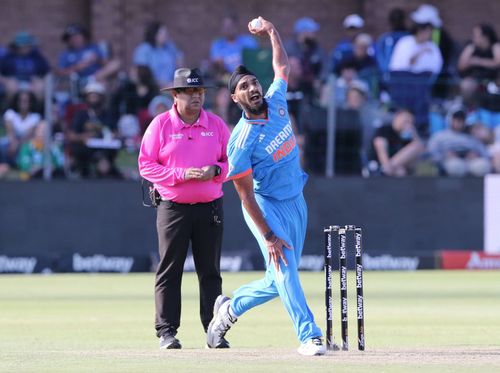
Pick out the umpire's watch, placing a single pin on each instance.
(217, 170)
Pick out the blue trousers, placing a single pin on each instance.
(288, 220)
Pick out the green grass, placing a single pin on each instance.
(429, 321)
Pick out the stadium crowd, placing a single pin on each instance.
(411, 101)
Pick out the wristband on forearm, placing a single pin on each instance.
(269, 235)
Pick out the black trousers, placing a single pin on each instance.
(177, 226)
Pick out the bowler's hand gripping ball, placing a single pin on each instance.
(256, 24)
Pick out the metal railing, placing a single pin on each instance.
(331, 128)
(49, 93)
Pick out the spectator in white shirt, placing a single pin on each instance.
(417, 52)
(20, 122)
(414, 66)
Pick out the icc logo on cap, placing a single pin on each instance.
(192, 80)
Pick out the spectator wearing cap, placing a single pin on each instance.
(226, 53)
(440, 36)
(307, 71)
(417, 52)
(159, 52)
(84, 59)
(92, 136)
(456, 152)
(24, 66)
(415, 64)
(353, 25)
(183, 153)
(306, 48)
(447, 47)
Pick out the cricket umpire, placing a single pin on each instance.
(183, 153)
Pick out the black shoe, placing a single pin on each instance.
(169, 342)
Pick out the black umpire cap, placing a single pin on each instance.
(187, 78)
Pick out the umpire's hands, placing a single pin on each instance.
(202, 174)
(193, 173)
(275, 247)
(208, 173)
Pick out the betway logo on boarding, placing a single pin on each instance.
(380, 262)
(282, 144)
(17, 264)
(101, 263)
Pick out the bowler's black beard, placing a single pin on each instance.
(262, 108)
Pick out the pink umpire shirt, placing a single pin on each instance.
(170, 146)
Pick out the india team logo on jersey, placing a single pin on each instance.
(282, 144)
(281, 112)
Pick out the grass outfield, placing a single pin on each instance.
(427, 321)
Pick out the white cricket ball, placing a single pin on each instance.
(256, 24)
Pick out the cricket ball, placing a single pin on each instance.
(256, 24)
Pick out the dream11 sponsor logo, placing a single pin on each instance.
(17, 264)
(282, 144)
(101, 263)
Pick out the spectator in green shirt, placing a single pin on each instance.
(31, 156)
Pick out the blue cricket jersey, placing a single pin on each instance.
(268, 148)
